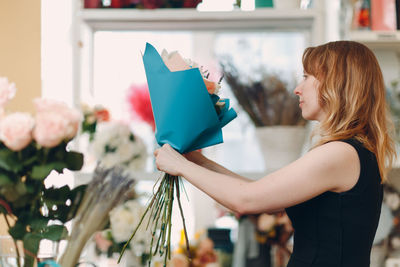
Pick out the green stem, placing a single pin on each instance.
(133, 234)
(15, 243)
(183, 218)
(170, 217)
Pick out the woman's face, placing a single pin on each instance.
(307, 91)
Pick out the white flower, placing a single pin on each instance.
(7, 91)
(114, 144)
(124, 219)
(392, 200)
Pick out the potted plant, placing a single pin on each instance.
(274, 109)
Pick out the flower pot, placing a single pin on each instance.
(280, 145)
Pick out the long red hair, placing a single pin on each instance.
(353, 95)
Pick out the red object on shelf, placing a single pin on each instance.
(152, 4)
(92, 3)
(191, 3)
(119, 3)
(363, 18)
(383, 15)
(362, 15)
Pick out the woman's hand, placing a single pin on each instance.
(169, 160)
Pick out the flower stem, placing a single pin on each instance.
(183, 218)
(160, 219)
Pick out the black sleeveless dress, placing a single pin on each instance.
(337, 229)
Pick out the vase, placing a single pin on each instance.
(280, 145)
(378, 255)
(8, 253)
(9, 256)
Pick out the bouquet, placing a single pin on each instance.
(31, 148)
(115, 145)
(188, 115)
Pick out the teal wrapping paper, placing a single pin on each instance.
(183, 110)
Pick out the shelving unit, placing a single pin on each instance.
(88, 21)
(191, 19)
(377, 40)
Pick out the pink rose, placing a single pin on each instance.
(16, 130)
(50, 129)
(7, 90)
(71, 116)
(74, 119)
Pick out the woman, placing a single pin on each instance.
(332, 194)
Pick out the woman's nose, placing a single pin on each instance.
(296, 90)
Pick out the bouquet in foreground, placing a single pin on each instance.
(30, 149)
(189, 115)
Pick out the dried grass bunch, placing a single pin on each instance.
(267, 101)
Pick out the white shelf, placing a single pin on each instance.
(377, 39)
(191, 19)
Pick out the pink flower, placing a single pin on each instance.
(71, 116)
(16, 130)
(49, 105)
(74, 119)
(50, 129)
(7, 90)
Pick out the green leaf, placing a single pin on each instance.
(56, 196)
(10, 193)
(59, 197)
(74, 160)
(38, 224)
(4, 179)
(9, 160)
(3, 210)
(29, 161)
(76, 198)
(31, 243)
(17, 231)
(41, 172)
(55, 232)
(21, 188)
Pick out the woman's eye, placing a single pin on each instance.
(305, 76)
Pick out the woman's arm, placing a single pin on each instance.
(199, 159)
(331, 167)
